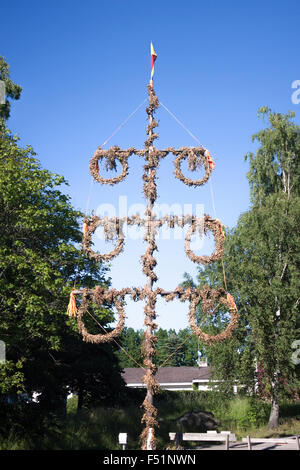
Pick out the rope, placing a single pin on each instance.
(181, 124)
(107, 140)
(132, 358)
(215, 214)
(175, 350)
(224, 275)
(124, 350)
(92, 180)
(213, 198)
(124, 122)
(211, 186)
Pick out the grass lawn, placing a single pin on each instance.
(98, 429)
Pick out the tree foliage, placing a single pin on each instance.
(173, 349)
(12, 90)
(40, 262)
(261, 260)
(40, 258)
(275, 167)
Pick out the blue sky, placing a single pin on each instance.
(84, 67)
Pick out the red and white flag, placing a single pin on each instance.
(211, 163)
(153, 59)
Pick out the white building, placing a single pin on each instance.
(174, 378)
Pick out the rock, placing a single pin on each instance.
(197, 421)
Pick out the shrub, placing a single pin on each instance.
(248, 412)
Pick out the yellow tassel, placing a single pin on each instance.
(221, 227)
(72, 309)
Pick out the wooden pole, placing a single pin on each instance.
(227, 442)
(249, 443)
(150, 315)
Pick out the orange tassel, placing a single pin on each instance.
(84, 228)
(72, 309)
(230, 299)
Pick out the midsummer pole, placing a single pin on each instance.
(148, 347)
(113, 228)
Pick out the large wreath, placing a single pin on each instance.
(210, 225)
(100, 296)
(208, 298)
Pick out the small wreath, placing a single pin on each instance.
(111, 155)
(209, 225)
(208, 297)
(196, 158)
(111, 228)
(99, 338)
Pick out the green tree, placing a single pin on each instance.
(131, 342)
(270, 233)
(261, 260)
(12, 90)
(275, 168)
(190, 347)
(40, 257)
(176, 349)
(169, 350)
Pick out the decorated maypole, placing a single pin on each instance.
(197, 157)
(148, 347)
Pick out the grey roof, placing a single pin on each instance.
(133, 375)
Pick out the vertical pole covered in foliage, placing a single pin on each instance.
(148, 347)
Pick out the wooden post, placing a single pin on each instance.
(297, 441)
(123, 439)
(227, 442)
(149, 261)
(178, 439)
(149, 439)
(249, 443)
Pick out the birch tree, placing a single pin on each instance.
(262, 261)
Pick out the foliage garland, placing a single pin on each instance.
(213, 226)
(209, 297)
(99, 297)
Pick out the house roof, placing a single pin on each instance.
(168, 375)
